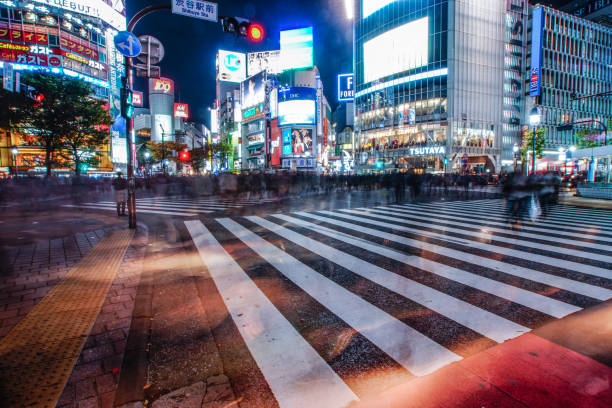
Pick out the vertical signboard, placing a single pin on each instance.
(8, 78)
(275, 143)
(536, 51)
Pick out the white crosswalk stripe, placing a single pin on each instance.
(352, 262)
(178, 206)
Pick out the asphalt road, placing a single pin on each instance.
(323, 300)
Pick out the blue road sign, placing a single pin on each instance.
(127, 44)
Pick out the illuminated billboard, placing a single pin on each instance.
(301, 141)
(231, 66)
(296, 48)
(346, 87)
(264, 61)
(536, 52)
(371, 6)
(112, 12)
(161, 86)
(296, 106)
(397, 50)
(137, 98)
(253, 91)
(181, 110)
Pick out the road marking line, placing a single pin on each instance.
(520, 296)
(416, 352)
(543, 237)
(528, 256)
(295, 372)
(485, 219)
(96, 207)
(592, 291)
(481, 321)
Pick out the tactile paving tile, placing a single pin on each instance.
(37, 356)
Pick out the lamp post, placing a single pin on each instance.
(515, 150)
(147, 155)
(14, 152)
(163, 151)
(535, 117)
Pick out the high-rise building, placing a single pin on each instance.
(436, 81)
(570, 64)
(599, 11)
(72, 38)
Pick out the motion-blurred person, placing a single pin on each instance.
(120, 186)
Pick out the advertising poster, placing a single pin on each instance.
(275, 143)
(301, 141)
(253, 91)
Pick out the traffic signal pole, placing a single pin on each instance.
(129, 122)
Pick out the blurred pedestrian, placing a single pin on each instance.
(120, 186)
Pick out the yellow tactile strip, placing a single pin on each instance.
(37, 356)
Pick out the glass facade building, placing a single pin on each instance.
(576, 62)
(431, 77)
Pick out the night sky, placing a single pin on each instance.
(191, 44)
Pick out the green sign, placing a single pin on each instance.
(252, 112)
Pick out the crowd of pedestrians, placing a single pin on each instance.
(249, 185)
(530, 197)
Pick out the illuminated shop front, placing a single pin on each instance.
(422, 83)
(66, 38)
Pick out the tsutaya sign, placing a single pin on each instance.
(427, 151)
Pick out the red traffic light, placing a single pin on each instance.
(40, 97)
(256, 32)
(184, 156)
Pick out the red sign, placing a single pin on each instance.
(275, 143)
(78, 48)
(162, 85)
(23, 36)
(27, 58)
(181, 110)
(138, 98)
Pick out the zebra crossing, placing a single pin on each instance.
(179, 207)
(422, 285)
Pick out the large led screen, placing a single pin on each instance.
(301, 141)
(296, 106)
(371, 6)
(296, 48)
(398, 50)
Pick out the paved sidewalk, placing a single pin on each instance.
(528, 371)
(587, 202)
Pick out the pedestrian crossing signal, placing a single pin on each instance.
(127, 104)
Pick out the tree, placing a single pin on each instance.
(88, 133)
(527, 144)
(197, 156)
(224, 150)
(65, 119)
(586, 138)
(170, 151)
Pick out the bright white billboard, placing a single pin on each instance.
(398, 50)
(296, 112)
(231, 66)
(297, 48)
(370, 6)
(264, 61)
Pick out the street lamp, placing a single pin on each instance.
(535, 117)
(147, 156)
(14, 152)
(515, 150)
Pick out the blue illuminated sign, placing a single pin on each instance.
(536, 52)
(286, 141)
(55, 70)
(296, 106)
(127, 44)
(346, 87)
